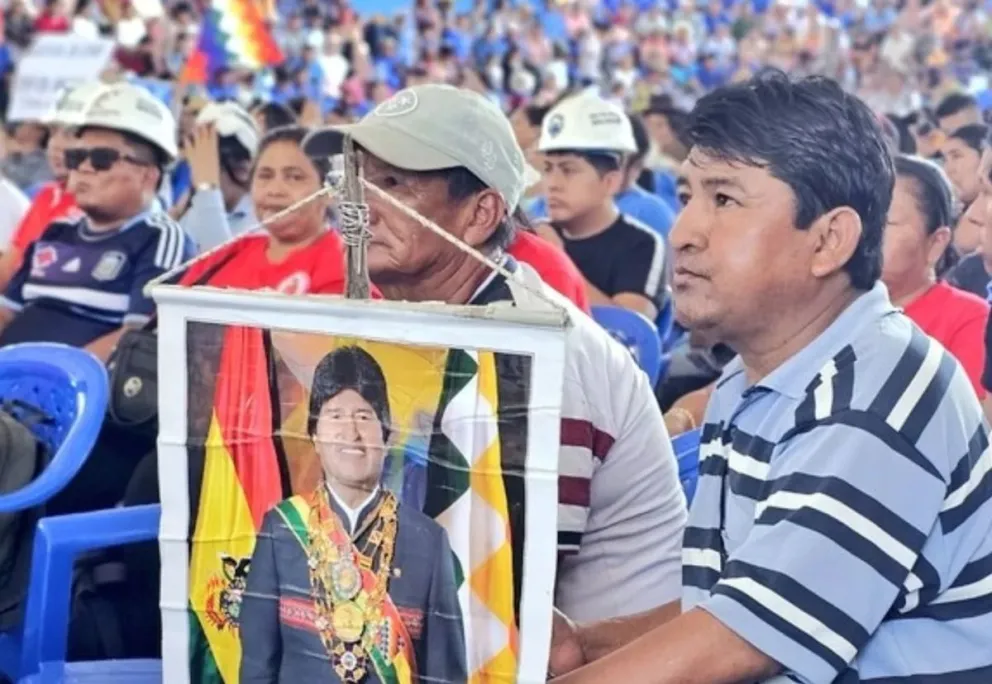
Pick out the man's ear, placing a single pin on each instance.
(614, 180)
(485, 212)
(835, 237)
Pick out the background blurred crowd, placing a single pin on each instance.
(900, 55)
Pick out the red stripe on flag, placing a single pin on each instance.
(244, 412)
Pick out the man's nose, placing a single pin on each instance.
(687, 231)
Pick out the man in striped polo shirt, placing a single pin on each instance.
(841, 526)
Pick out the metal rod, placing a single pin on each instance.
(357, 268)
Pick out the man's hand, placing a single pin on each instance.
(566, 649)
(203, 155)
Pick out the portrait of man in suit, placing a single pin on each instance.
(347, 585)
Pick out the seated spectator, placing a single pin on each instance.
(634, 201)
(24, 162)
(916, 253)
(586, 141)
(53, 201)
(961, 153)
(297, 254)
(957, 110)
(269, 115)
(220, 153)
(970, 274)
(82, 281)
(840, 522)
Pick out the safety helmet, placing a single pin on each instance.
(72, 103)
(230, 120)
(589, 123)
(130, 109)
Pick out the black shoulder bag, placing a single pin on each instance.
(133, 369)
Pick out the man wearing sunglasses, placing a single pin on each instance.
(81, 281)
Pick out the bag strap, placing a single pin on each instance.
(152, 323)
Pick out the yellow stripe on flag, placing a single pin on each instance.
(402, 669)
(224, 530)
(491, 578)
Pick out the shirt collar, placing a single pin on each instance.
(491, 289)
(793, 377)
(353, 515)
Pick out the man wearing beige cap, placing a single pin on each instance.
(451, 156)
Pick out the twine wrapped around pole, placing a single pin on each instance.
(354, 215)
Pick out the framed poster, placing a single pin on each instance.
(356, 491)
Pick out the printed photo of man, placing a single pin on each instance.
(347, 584)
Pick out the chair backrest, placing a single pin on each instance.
(69, 387)
(686, 448)
(636, 332)
(50, 378)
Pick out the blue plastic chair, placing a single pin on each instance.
(68, 386)
(635, 332)
(686, 448)
(57, 544)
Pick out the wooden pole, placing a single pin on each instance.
(353, 212)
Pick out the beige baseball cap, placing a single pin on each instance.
(433, 127)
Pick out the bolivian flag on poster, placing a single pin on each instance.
(458, 453)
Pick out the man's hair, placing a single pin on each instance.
(972, 135)
(349, 368)
(275, 115)
(294, 134)
(678, 119)
(825, 144)
(954, 104)
(603, 162)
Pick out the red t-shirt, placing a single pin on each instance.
(957, 320)
(317, 268)
(52, 202)
(553, 265)
(47, 22)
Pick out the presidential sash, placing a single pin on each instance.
(350, 604)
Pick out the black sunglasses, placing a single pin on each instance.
(101, 158)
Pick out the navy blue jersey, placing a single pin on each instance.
(74, 274)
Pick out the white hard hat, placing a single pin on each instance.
(231, 120)
(130, 109)
(73, 102)
(587, 122)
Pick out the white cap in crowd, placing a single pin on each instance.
(231, 120)
(130, 109)
(435, 127)
(587, 122)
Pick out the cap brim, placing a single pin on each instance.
(323, 143)
(397, 148)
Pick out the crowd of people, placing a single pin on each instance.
(806, 185)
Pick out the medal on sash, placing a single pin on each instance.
(349, 605)
(346, 580)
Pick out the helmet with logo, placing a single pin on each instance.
(72, 103)
(588, 123)
(233, 125)
(127, 108)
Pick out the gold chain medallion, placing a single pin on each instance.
(348, 618)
